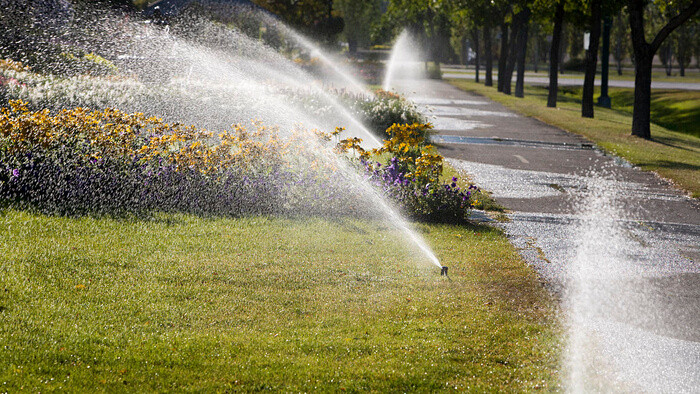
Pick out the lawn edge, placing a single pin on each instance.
(599, 145)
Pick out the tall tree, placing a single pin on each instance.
(428, 20)
(510, 57)
(683, 40)
(522, 52)
(620, 40)
(564, 44)
(503, 54)
(359, 17)
(488, 53)
(517, 33)
(554, 52)
(482, 14)
(666, 56)
(537, 49)
(644, 53)
(591, 59)
(475, 44)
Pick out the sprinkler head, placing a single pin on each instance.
(443, 271)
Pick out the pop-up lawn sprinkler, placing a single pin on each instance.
(443, 271)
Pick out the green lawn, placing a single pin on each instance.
(185, 303)
(676, 110)
(672, 154)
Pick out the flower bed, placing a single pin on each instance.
(109, 162)
(384, 110)
(411, 176)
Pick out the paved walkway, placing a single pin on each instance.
(621, 246)
(564, 81)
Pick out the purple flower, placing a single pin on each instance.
(454, 179)
(15, 173)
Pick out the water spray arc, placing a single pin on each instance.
(405, 61)
(345, 74)
(214, 86)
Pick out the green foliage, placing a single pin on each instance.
(360, 17)
(429, 22)
(385, 110)
(620, 46)
(685, 43)
(313, 17)
(434, 71)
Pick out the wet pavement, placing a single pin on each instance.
(620, 246)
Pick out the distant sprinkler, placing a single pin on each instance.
(443, 271)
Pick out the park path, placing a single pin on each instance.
(619, 245)
(572, 81)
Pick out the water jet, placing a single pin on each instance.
(405, 61)
(212, 77)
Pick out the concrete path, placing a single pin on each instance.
(564, 81)
(619, 245)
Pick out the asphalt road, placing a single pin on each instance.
(619, 246)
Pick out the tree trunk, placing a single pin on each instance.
(641, 114)
(352, 46)
(667, 59)
(562, 49)
(684, 43)
(591, 60)
(643, 55)
(522, 53)
(502, 56)
(512, 51)
(681, 67)
(489, 55)
(681, 57)
(536, 51)
(554, 55)
(618, 55)
(475, 39)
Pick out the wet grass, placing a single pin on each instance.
(184, 303)
(672, 154)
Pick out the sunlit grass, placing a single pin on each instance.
(673, 155)
(185, 303)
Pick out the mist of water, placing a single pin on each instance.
(627, 330)
(598, 262)
(205, 74)
(405, 61)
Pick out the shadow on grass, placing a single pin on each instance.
(670, 164)
(675, 110)
(687, 145)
